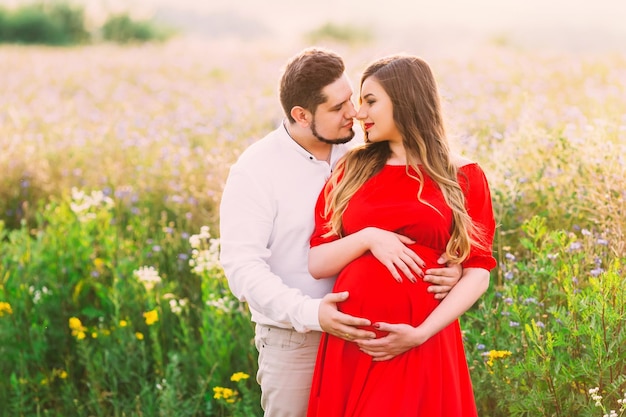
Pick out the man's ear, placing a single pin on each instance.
(301, 115)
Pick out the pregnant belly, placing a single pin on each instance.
(377, 296)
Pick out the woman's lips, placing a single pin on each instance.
(367, 125)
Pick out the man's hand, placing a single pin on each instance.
(390, 249)
(401, 338)
(339, 324)
(443, 278)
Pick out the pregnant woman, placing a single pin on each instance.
(403, 179)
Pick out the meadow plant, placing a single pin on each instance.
(96, 324)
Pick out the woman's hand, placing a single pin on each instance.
(390, 249)
(401, 338)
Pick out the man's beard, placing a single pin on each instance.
(330, 141)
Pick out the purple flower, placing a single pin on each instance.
(575, 246)
(596, 271)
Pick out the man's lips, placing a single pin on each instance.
(348, 125)
(367, 125)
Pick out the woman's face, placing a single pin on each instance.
(376, 113)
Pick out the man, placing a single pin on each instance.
(266, 220)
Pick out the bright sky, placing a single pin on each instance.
(579, 22)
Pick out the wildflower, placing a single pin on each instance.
(574, 246)
(508, 275)
(509, 256)
(596, 271)
(5, 308)
(63, 375)
(148, 276)
(78, 330)
(540, 324)
(205, 252)
(94, 335)
(123, 323)
(98, 263)
(223, 304)
(480, 346)
(595, 396)
(238, 376)
(177, 305)
(226, 394)
(139, 335)
(151, 317)
(85, 206)
(603, 242)
(497, 354)
(513, 323)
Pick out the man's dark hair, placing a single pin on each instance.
(304, 77)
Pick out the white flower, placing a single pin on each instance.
(148, 276)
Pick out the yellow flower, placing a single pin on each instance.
(94, 335)
(99, 264)
(139, 335)
(75, 323)
(123, 323)
(151, 317)
(5, 308)
(224, 393)
(497, 354)
(59, 373)
(238, 376)
(78, 330)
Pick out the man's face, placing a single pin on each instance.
(332, 121)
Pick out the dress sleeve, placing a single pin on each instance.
(320, 221)
(478, 203)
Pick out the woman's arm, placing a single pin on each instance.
(403, 337)
(327, 259)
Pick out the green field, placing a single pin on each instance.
(112, 163)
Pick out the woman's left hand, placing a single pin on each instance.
(401, 338)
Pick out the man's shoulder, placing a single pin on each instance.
(261, 149)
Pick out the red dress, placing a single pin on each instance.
(431, 380)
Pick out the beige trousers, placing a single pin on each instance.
(286, 364)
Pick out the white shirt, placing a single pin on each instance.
(266, 221)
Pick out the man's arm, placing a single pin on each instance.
(246, 225)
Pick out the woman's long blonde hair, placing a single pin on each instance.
(410, 84)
